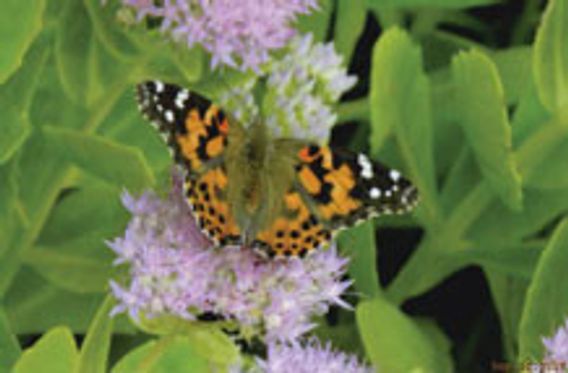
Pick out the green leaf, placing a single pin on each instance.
(169, 354)
(109, 31)
(20, 23)
(439, 46)
(529, 115)
(9, 347)
(94, 350)
(484, 120)
(317, 21)
(133, 361)
(10, 205)
(461, 179)
(76, 273)
(516, 260)
(115, 163)
(51, 104)
(551, 172)
(451, 4)
(88, 72)
(514, 66)
(15, 100)
(508, 295)
(395, 343)
(546, 305)
(30, 293)
(126, 125)
(359, 245)
(447, 135)
(73, 47)
(499, 226)
(207, 340)
(71, 252)
(349, 24)
(397, 84)
(215, 83)
(15, 127)
(54, 352)
(436, 337)
(343, 336)
(88, 214)
(34, 180)
(550, 58)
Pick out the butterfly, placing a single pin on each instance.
(284, 197)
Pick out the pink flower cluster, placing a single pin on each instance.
(309, 358)
(174, 270)
(557, 345)
(236, 33)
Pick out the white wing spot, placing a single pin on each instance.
(159, 86)
(366, 166)
(181, 97)
(159, 107)
(375, 193)
(169, 115)
(395, 175)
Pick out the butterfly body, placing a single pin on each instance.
(281, 196)
(260, 174)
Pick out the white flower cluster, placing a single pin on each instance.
(300, 91)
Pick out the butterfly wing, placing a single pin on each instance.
(295, 232)
(345, 187)
(334, 189)
(197, 132)
(194, 128)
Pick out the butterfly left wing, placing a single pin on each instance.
(192, 126)
(197, 131)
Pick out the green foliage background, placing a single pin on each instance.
(482, 130)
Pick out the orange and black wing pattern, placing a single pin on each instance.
(197, 132)
(345, 187)
(295, 233)
(194, 128)
(334, 189)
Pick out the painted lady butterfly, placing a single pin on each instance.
(282, 197)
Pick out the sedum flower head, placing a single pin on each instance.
(236, 33)
(174, 270)
(557, 345)
(310, 357)
(301, 89)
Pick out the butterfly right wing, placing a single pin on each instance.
(197, 132)
(334, 189)
(344, 188)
